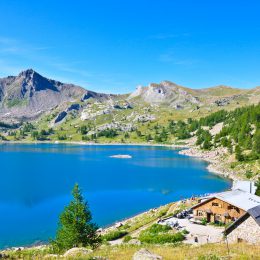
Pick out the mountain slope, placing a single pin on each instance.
(29, 95)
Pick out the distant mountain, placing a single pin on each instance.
(176, 96)
(30, 95)
(166, 93)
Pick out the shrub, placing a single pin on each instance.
(249, 174)
(159, 234)
(113, 235)
(185, 231)
(157, 228)
(161, 238)
(204, 221)
(127, 238)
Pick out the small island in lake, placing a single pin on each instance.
(121, 156)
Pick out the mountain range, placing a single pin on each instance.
(29, 96)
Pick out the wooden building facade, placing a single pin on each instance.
(217, 210)
(225, 207)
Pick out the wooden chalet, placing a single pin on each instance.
(225, 207)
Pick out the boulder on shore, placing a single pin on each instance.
(144, 254)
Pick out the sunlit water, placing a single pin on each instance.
(36, 181)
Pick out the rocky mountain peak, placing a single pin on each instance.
(33, 81)
(29, 73)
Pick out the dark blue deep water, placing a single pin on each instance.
(36, 180)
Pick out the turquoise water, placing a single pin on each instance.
(36, 181)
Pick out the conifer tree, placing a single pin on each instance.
(75, 226)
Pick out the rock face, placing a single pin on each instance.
(29, 94)
(144, 254)
(73, 107)
(60, 117)
(100, 96)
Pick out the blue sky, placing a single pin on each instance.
(113, 46)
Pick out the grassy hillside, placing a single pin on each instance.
(168, 252)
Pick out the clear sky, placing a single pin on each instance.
(113, 46)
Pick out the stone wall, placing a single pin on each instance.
(248, 231)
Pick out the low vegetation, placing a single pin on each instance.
(113, 235)
(160, 234)
(168, 252)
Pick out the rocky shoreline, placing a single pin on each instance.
(215, 160)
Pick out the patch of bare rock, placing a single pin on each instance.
(144, 254)
(77, 251)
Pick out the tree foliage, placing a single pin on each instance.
(258, 187)
(75, 227)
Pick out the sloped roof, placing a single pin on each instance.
(255, 214)
(238, 198)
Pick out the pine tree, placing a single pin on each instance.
(239, 155)
(75, 227)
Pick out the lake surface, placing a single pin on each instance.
(36, 181)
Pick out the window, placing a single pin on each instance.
(215, 204)
(230, 207)
(200, 213)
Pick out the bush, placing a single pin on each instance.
(157, 228)
(113, 235)
(204, 221)
(162, 238)
(127, 238)
(185, 231)
(249, 174)
(159, 234)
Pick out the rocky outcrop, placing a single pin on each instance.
(125, 105)
(144, 254)
(226, 101)
(74, 107)
(89, 114)
(117, 126)
(60, 117)
(166, 93)
(77, 252)
(94, 95)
